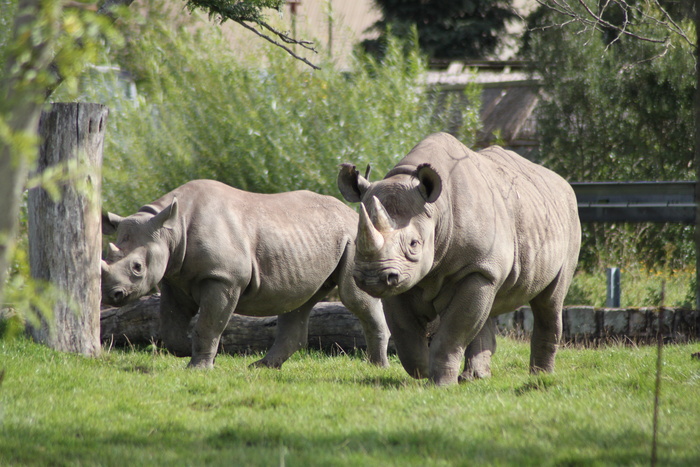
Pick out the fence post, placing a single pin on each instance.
(65, 234)
(613, 293)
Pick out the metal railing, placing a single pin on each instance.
(661, 202)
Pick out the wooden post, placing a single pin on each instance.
(65, 234)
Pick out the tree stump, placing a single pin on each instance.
(65, 233)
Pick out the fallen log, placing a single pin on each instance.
(331, 328)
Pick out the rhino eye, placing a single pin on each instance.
(137, 268)
(414, 243)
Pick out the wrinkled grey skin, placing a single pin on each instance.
(217, 250)
(464, 236)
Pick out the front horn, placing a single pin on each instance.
(369, 240)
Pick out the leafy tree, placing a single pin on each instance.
(617, 109)
(447, 29)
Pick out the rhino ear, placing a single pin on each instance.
(167, 218)
(430, 183)
(351, 184)
(110, 223)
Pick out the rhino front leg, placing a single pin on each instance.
(176, 312)
(477, 362)
(408, 325)
(292, 334)
(460, 322)
(217, 304)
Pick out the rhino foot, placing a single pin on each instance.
(477, 367)
(200, 364)
(472, 374)
(264, 363)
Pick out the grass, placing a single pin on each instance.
(136, 407)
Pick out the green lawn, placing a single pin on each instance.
(143, 408)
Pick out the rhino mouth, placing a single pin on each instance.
(380, 283)
(117, 296)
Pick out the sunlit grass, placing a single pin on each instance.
(143, 407)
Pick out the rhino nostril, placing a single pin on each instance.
(392, 279)
(117, 295)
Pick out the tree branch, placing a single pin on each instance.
(244, 12)
(590, 19)
(285, 38)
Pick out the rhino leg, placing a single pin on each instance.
(477, 362)
(218, 301)
(292, 334)
(371, 316)
(547, 326)
(408, 326)
(460, 323)
(176, 312)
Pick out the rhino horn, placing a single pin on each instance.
(380, 217)
(369, 239)
(104, 266)
(113, 248)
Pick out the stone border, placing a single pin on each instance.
(586, 324)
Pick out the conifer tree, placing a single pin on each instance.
(447, 29)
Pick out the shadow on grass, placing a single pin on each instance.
(241, 444)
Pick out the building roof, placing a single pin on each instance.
(508, 99)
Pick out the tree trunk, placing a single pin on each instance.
(696, 107)
(65, 235)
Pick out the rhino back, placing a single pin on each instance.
(510, 218)
(274, 246)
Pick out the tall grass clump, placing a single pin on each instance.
(264, 124)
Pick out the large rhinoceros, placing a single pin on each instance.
(465, 236)
(219, 250)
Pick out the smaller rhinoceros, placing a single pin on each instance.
(464, 236)
(217, 250)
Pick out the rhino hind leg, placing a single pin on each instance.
(477, 363)
(547, 326)
(291, 335)
(369, 312)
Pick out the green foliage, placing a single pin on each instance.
(639, 287)
(144, 407)
(248, 10)
(205, 113)
(620, 110)
(448, 29)
(7, 14)
(42, 44)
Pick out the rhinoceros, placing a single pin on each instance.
(464, 236)
(216, 250)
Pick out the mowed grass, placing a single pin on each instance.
(139, 407)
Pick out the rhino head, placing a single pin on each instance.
(395, 244)
(137, 262)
